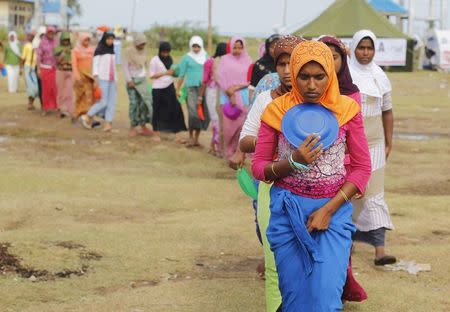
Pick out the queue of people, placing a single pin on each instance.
(313, 200)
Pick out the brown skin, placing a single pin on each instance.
(337, 58)
(248, 143)
(365, 51)
(312, 82)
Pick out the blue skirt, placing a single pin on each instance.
(312, 268)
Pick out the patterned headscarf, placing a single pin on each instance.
(285, 45)
(343, 107)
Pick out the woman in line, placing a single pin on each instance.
(265, 65)
(12, 60)
(282, 53)
(104, 72)
(47, 70)
(135, 68)
(167, 113)
(29, 60)
(82, 59)
(191, 73)
(371, 211)
(232, 79)
(211, 91)
(64, 76)
(42, 30)
(353, 291)
(311, 228)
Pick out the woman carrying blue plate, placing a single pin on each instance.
(311, 227)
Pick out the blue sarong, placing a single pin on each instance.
(312, 268)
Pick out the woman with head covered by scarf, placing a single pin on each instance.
(29, 59)
(265, 65)
(82, 57)
(64, 76)
(282, 54)
(47, 69)
(190, 72)
(167, 113)
(210, 92)
(232, 79)
(371, 211)
(12, 59)
(311, 228)
(105, 75)
(135, 68)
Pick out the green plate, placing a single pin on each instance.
(246, 183)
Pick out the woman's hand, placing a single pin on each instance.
(237, 160)
(387, 151)
(169, 72)
(306, 153)
(131, 84)
(319, 220)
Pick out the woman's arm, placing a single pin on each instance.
(251, 126)
(264, 169)
(357, 179)
(388, 122)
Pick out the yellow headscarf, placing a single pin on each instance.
(343, 107)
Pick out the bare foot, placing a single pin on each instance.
(145, 131)
(133, 133)
(156, 138)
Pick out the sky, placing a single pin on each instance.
(243, 17)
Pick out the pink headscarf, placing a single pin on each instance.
(233, 69)
(82, 50)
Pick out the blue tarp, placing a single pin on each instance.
(53, 6)
(388, 6)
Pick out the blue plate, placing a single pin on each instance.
(304, 119)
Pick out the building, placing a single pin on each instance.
(16, 13)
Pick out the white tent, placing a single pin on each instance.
(437, 44)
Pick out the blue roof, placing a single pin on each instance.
(388, 6)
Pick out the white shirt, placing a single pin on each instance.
(157, 67)
(101, 66)
(253, 121)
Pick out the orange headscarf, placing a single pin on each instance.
(343, 107)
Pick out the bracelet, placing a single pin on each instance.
(344, 195)
(296, 165)
(254, 142)
(273, 171)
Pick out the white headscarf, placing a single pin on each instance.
(37, 38)
(370, 78)
(201, 56)
(14, 45)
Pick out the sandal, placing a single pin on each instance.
(385, 260)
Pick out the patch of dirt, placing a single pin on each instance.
(436, 188)
(11, 263)
(227, 266)
(441, 233)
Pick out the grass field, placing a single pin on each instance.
(103, 222)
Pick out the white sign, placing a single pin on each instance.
(389, 52)
(444, 48)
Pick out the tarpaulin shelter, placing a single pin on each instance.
(345, 17)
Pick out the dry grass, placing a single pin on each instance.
(158, 227)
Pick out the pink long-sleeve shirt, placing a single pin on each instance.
(327, 174)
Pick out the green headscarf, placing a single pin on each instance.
(63, 47)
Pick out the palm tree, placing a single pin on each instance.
(76, 7)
